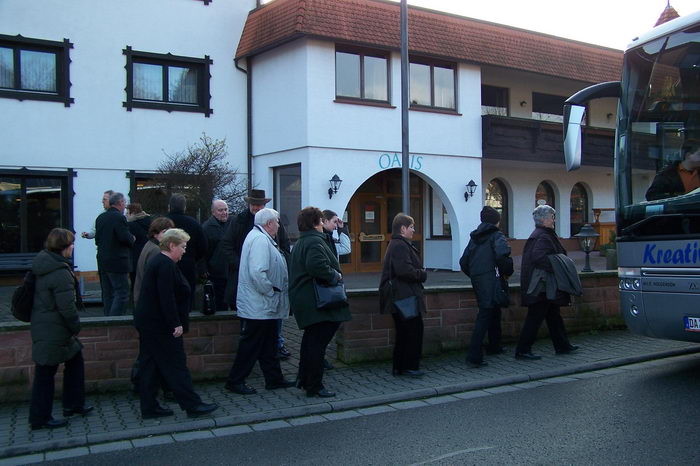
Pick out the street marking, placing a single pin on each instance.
(450, 455)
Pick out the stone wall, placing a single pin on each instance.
(111, 344)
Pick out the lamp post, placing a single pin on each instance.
(587, 238)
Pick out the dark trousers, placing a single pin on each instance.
(487, 321)
(219, 292)
(163, 355)
(408, 346)
(43, 388)
(115, 292)
(313, 349)
(536, 313)
(258, 342)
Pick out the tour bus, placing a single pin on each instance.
(657, 191)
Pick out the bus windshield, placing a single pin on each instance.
(658, 139)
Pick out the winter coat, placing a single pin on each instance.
(217, 265)
(55, 324)
(263, 280)
(667, 183)
(138, 226)
(149, 251)
(311, 260)
(487, 250)
(196, 246)
(114, 242)
(402, 265)
(165, 298)
(542, 242)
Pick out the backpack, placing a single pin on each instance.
(23, 298)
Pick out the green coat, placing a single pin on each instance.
(312, 258)
(55, 323)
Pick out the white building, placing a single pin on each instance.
(92, 94)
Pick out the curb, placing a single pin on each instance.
(329, 407)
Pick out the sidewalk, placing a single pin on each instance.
(116, 416)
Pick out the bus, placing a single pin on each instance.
(656, 166)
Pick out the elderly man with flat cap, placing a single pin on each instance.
(232, 245)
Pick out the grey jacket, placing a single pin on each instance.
(564, 278)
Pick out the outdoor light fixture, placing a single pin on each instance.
(587, 238)
(335, 185)
(523, 103)
(471, 187)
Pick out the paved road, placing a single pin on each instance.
(638, 414)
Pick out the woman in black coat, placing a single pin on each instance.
(542, 243)
(161, 318)
(403, 267)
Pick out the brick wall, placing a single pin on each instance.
(111, 344)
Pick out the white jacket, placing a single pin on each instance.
(262, 267)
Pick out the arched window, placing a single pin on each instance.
(579, 208)
(497, 197)
(545, 193)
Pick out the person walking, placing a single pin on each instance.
(54, 328)
(313, 260)
(542, 243)
(217, 269)
(161, 318)
(156, 230)
(487, 262)
(114, 242)
(198, 241)
(138, 222)
(402, 267)
(262, 300)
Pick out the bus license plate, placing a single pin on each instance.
(692, 324)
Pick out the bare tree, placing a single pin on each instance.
(200, 172)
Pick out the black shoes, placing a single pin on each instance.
(527, 356)
(241, 389)
(476, 365)
(83, 411)
(50, 424)
(202, 409)
(322, 393)
(284, 383)
(283, 353)
(568, 350)
(159, 411)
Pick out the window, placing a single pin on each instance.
(579, 208)
(432, 85)
(287, 197)
(544, 195)
(361, 74)
(496, 196)
(494, 100)
(153, 191)
(34, 69)
(439, 218)
(32, 203)
(167, 82)
(548, 107)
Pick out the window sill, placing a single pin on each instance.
(439, 238)
(167, 107)
(367, 103)
(444, 111)
(29, 95)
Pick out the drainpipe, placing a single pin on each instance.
(249, 115)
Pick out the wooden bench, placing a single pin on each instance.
(16, 262)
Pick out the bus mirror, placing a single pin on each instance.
(573, 118)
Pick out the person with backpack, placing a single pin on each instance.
(487, 262)
(54, 328)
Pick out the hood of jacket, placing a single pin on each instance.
(483, 232)
(134, 217)
(46, 262)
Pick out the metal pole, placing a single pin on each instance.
(405, 186)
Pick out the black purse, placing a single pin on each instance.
(208, 299)
(330, 296)
(406, 308)
(501, 296)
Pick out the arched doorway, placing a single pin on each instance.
(496, 196)
(369, 215)
(579, 208)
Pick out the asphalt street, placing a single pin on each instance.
(637, 414)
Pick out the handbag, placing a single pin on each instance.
(500, 292)
(330, 296)
(208, 299)
(407, 308)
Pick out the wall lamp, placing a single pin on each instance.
(335, 185)
(523, 103)
(471, 188)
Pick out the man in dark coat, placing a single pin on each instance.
(196, 246)
(680, 177)
(114, 243)
(486, 260)
(217, 266)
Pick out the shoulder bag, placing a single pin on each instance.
(406, 308)
(501, 296)
(330, 296)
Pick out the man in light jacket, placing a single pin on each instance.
(262, 299)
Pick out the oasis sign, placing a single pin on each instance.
(653, 254)
(394, 161)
